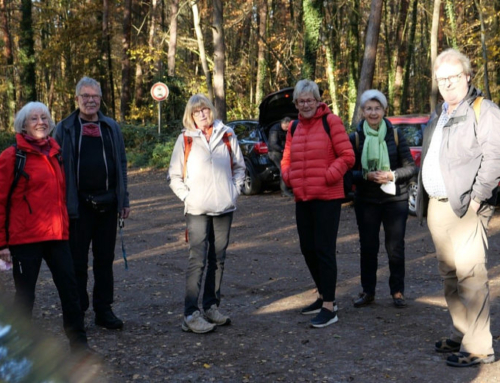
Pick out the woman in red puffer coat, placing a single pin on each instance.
(34, 224)
(313, 166)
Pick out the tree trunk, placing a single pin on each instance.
(172, 46)
(201, 47)
(434, 49)
(219, 60)
(313, 17)
(106, 66)
(27, 54)
(484, 49)
(126, 91)
(368, 67)
(409, 59)
(9, 96)
(261, 56)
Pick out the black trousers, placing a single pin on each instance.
(318, 224)
(393, 216)
(27, 260)
(100, 230)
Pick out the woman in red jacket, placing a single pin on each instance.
(34, 220)
(313, 166)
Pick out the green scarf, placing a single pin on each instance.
(375, 155)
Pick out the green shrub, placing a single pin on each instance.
(6, 139)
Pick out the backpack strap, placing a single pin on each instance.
(294, 126)
(19, 164)
(188, 142)
(225, 138)
(477, 107)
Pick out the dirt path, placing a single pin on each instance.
(265, 284)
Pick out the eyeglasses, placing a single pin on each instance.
(452, 79)
(86, 97)
(205, 111)
(376, 109)
(309, 101)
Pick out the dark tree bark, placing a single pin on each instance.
(368, 67)
(201, 47)
(219, 59)
(106, 65)
(409, 59)
(27, 54)
(172, 46)
(261, 56)
(434, 49)
(9, 97)
(126, 91)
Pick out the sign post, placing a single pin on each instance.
(159, 92)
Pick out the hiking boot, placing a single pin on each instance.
(324, 318)
(214, 316)
(315, 307)
(197, 324)
(108, 320)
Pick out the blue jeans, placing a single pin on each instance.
(208, 241)
(318, 224)
(393, 216)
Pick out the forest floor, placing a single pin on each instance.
(266, 283)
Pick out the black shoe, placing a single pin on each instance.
(447, 345)
(399, 301)
(466, 359)
(364, 300)
(324, 318)
(313, 308)
(108, 320)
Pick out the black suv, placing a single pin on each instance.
(261, 173)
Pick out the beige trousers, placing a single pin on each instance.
(461, 247)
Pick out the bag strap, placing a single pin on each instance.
(20, 163)
(477, 107)
(225, 138)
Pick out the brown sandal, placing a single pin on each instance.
(447, 345)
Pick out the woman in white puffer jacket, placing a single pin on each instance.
(206, 172)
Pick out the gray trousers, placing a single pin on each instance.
(461, 247)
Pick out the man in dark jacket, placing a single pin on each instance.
(277, 139)
(96, 191)
(458, 181)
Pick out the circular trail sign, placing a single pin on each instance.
(159, 91)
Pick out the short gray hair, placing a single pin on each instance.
(451, 55)
(306, 86)
(25, 112)
(372, 95)
(87, 81)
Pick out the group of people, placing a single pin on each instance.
(457, 184)
(57, 196)
(73, 188)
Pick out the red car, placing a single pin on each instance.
(412, 126)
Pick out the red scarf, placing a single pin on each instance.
(41, 145)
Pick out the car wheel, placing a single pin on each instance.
(412, 198)
(252, 184)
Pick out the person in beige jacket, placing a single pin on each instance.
(206, 172)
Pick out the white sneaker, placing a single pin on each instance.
(197, 324)
(214, 316)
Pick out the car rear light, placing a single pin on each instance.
(261, 148)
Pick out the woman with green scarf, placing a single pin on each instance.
(384, 166)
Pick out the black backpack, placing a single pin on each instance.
(19, 165)
(348, 175)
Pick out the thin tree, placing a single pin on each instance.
(106, 65)
(484, 49)
(27, 54)
(368, 67)
(201, 48)
(434, 49)
(126, 91)
(9, 97)
(172, 46)
(219, 59)
(261, 55)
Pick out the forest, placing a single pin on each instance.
(237, 51)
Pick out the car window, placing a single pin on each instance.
(246, 131)
(412, 132)
(241, 130)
